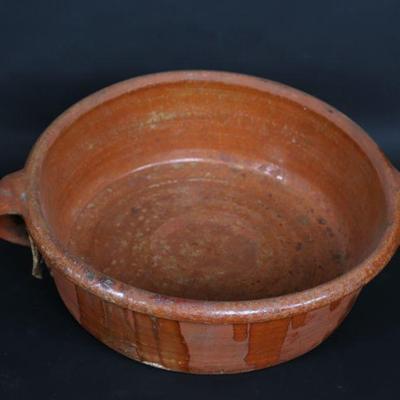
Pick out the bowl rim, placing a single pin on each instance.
(184, 309)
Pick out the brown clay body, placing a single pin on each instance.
(206, 222)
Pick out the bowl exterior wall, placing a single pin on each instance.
(196, 347)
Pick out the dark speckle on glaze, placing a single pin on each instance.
(226, 219)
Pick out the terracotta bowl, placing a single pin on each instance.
(206, 222)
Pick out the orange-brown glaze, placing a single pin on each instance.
(206, 222)
(92, 315)
(223, 356)
(298, 320)
(120, 332)
(147, 338)
(352, 300)
(319, 324)
(67, 292)
(197, 347)
(240, 332)
(335, 304)
(174, 352)
(265, 342)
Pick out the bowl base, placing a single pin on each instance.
(212, 229)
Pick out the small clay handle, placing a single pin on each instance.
(398, 178)
(12, 200)
(397, 175)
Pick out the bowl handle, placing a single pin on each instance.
(398, 178)
(12, 199)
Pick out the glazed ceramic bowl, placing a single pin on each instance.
(206, 222)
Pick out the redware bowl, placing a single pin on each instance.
(206, 222)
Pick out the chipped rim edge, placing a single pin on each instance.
(176, 308)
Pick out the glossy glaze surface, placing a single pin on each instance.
(211, 231)
(206, 222)
(181, 345)
(214, 192)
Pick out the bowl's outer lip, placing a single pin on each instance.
(202, 310)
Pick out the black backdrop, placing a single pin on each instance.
(52, 53)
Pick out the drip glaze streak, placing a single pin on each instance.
(196, 347)
(298, 320)
(335, 304)
(174, 351)
(266, 341)
(193, 221)
(240, 332)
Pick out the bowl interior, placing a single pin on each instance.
(212, 191)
